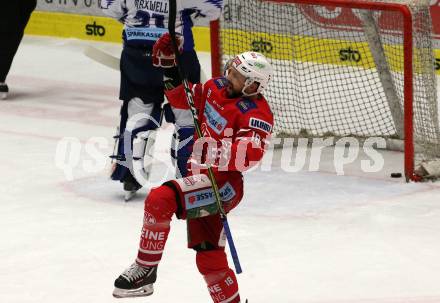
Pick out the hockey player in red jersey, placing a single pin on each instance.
(236, 121)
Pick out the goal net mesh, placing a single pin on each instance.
(339, 71)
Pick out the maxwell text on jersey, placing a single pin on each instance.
(155, 6)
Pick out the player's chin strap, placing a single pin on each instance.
(248, 82)
(190, 100)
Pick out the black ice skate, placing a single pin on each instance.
(136, 281)
(131, 186)
(4, 90)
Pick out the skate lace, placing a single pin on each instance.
(135, 272)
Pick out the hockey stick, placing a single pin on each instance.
(102, 57)
(113, 62)
(190, 100)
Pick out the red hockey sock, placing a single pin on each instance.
(160, 205)
(221, 280)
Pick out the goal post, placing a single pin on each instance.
(362, 68)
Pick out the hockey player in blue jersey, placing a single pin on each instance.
(142, 86)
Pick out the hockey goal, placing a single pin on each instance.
(362, 68)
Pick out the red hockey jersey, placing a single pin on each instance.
(236, 130)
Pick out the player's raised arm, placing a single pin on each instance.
(209, 9)
(116, 9)
(251, 142)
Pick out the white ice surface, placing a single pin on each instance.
(301, 237)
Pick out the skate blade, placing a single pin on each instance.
(3, 96)
(143, 291)
(129, 195)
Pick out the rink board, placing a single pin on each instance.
(304, 48)
(96, 28)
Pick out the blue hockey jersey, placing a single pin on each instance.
(146, 20)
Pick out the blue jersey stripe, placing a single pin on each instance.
(216, 3)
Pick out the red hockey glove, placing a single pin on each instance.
(163, 51)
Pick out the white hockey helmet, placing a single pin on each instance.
(255, 67)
